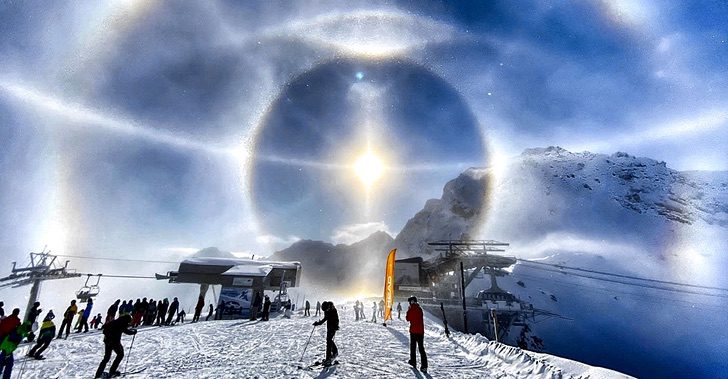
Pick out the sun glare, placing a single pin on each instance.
(368, 168)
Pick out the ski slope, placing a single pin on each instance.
(255, 349)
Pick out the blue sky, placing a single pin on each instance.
(137, 128)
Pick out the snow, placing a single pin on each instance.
(215, 261)
(242, 348)
(249, 270)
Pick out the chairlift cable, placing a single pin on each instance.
(652, 298)
(622, 276)
(632, 284)
(117, 259)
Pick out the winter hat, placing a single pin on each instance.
(412, 299)
(49, 316)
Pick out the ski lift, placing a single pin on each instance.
(88, 291)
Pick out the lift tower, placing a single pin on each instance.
(42, 266)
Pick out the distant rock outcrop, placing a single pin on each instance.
(212, 252)
(345, 266)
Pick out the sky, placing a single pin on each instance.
(153, 129)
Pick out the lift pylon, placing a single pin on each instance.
(43, 266)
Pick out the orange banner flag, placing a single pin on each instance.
(389, 286)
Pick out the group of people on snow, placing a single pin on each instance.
(121, 317)
(414, 316)
(124, 317)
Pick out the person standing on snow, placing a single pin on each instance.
(374, 311)
(417, 333)
(381, 308)
(318, 308)
(111, 312)
(162, 312)
(10, 323)
(306, 309)
(112, 343)
(257, 303)
(84, 317)
(45, 336)
(151, 312)
(173, 307)
(331, 318)
(198, 309)
(9, 345)
(212, 310)
(32, 317)
(399, 311)
(68, 319)
(266, 308)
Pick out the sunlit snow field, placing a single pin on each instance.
(254, 349)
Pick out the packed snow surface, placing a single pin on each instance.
(255, 349)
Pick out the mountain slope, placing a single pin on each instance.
(341, 267)
(613, 213)
(245, 349)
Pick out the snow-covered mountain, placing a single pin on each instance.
(614, 213)
(339, 267)
(553, 190)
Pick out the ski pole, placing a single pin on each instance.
(309, 340)
(22, 368)
(130, 347)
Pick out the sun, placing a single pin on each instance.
(368, 168)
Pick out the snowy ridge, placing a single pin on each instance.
(246, 349)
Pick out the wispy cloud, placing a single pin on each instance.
(349, 234)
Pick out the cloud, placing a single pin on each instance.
(276, 241)
(349, 234)
(182, 250)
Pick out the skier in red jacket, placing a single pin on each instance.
(417, 333)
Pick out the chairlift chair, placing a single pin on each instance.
(88, 291)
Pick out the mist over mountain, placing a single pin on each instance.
(613, 213)
(339, 268)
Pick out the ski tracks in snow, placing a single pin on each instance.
(245, 349)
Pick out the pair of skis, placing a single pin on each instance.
(134, 372)
(318, 364)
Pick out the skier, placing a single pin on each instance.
(318, 308)
(84, 317)
(173, 307)
(8, 346)
(381, 308)
(45, 336)
(68, 319)
(331, 318)
(417, 333)
(32, 316)
(374, 312)
(399, 311)
(198, 309)
(111, 312)
(112, 342)
(266, 308)
(10, 323)
(306, 310)
(210, 314)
